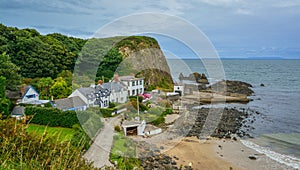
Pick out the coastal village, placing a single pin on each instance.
(146, 120)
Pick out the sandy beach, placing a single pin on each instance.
(219, 154)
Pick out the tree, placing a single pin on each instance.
(60, 89)
(44, 87)
(4, 102)
(9, 71)
(66, 75)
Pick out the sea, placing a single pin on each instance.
(277, 128)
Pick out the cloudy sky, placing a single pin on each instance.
(237, 28)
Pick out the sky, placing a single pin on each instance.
(236, 28)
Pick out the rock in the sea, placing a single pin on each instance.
(228, 86)
(252, 157)
(262, 85)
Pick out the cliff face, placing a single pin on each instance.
(143, 56)
(139, 55)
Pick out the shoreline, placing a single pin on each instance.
(220, 154)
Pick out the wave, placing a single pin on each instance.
(281, 158)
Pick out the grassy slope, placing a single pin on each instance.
(62, 134)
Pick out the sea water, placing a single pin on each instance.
(277, 127)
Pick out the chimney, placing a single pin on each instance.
(116, 77)
(100, 82)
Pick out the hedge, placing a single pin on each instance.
(52, 117)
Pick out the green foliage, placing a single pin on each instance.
(4, 102)
(60, 89)
(137, 42)
(111, 105)
(161, 118)
(44, 85)
(52, 117)
(22, 150)
(2, 86)
(106, 112)
(133, 101)
(109, 63)
(80, 138)
(158, 121)
(39, 55)
(123, 153)
(59, 133)
(10, 71)
(117, 128)
(67, 76)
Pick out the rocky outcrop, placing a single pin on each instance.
(232, 122)
(232, 88)
(198, 78)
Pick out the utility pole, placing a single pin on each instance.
(138, 107)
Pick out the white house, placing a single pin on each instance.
(29, 94)
(93, 96)
(134, 85)
(118, 91)
(87, 94)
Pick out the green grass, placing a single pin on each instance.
(124, 153)
(62, 134)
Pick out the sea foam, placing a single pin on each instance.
(281, 158)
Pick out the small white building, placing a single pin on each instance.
(134, 85)
(29, 94)
(179, 88)
(139, 128)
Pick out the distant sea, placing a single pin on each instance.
(277, 128)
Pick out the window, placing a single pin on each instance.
(133, 83)
(141, 90)
(30, 96)
(133, 92)
(128, 92)
(140, 82)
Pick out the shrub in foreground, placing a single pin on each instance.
(22, 150)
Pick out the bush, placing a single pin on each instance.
(111, 105)
(117, 128)
(106, 112)
(159, 120)
(23, 150)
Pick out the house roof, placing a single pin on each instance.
(13, 94)
(88, 92)
(130, 123)
(114, 86)
(18, 110)
(68, 103)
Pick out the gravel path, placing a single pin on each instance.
(99, 151)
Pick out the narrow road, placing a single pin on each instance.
(99, 151)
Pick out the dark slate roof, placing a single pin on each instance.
(18, 110)
(68, 103)
(13, 94)
(114, 86)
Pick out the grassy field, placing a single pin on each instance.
(62, 134)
